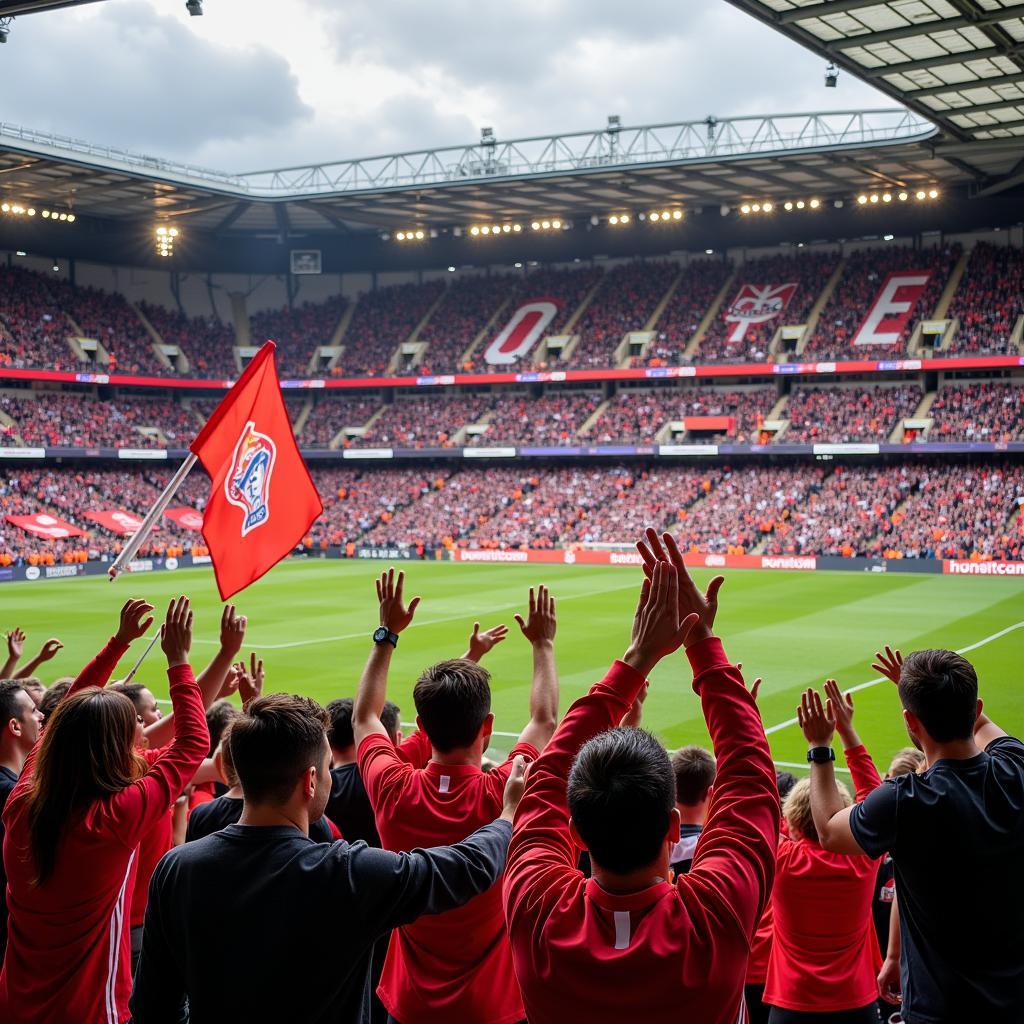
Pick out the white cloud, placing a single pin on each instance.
(257, 83)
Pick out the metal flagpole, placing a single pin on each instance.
(135, 668)
(129, 551)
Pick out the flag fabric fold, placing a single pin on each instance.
(262, 498)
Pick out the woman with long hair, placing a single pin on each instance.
(824, 957)
(74, 822)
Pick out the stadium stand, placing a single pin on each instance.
(33, 328)
(841, 414)
(628, 295)
(299, 331)
(207, 342)
(863, 276)
(809, 271)
(989, 300)
(424, 421)
(552, 419)
(986, 411)
(700, 283)
(330, 416)
(382, 320)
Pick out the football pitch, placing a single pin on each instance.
(311, 622)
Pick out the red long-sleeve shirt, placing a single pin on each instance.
(824, 954)
(68, 954)
(669, 951)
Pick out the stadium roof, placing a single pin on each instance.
(960, 63)
(710, 162)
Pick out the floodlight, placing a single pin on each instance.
(933, 193)
(745, 208)
(831, 76)
(194, 8)
(920, 195)
(815, 203)
(862, 200)
(767, 207)
(787, 206)
(903, 197)
(886, 197)
(677, 214)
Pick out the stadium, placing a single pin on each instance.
(793, 341)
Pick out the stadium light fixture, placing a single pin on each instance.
(902, 197)
(887, 238)
(709, 252)
(815, 204)
(5, 29)
(920, 195)
(933, 193)
(800, 204)
(886, 197)
(831, 76)
(767, 207)
(451, 270)
(194, 8)
(862, 200)
(873, 198)
(788, 205)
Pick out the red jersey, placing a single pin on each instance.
(153, 845)
(68, 954)
(824, 956)
(455, 966)
(671, 951)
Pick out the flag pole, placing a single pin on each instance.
(129, 551)
(135, 668)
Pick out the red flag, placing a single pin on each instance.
(262, 500)
(42, 524)
(185, 517)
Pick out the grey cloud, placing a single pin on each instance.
(139, 80)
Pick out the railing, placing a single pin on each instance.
(609, 148)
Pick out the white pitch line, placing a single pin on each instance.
(426, 622)
(884, 679)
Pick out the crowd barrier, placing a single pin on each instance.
(568, 556)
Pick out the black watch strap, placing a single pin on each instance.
(821, 755)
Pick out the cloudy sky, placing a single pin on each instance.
(271, 83)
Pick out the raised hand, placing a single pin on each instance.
(755, 688)
(840, 709)
(232, 630)
(514, 787)
(394, 614)
(817, 723)
(541, 624)
(481, 643)
(250, 681)
(889, 664)
(135, 620)
(691, 600)
(16, 642)
(49, 650)
(657, 630)
(176, 632)
(231, 680)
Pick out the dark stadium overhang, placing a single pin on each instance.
(700, 164)
(959, 63)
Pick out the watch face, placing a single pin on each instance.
(380, 635)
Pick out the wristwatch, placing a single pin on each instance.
(383, 635)
(821, 755)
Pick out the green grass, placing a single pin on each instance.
(311, 622)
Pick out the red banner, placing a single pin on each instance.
(187, 518)
(722, 424)
(587, 557)
(42, 524)
(892, 309)
(117, 520)
(524, 328)
(757, 304)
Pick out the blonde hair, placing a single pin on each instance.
(907, 761)
(797, 808)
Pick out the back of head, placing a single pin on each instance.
(133, 691)
(453, 698)
(907, 761)
(622, 793)
(53, 697)
(273, 741)
(87, 752)
(785, 781)
(940, 688)
(694, 769)
(218, 717)
(796, 809)
(340, 733)
(226, 761)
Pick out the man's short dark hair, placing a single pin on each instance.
(785, 781)
(9, 690)
(694, 769)
(133, 691)
(622, 792)
(452, 699)
(340, 734)
(273, 741)
(53, 696)
(218, 717)
(941, 689)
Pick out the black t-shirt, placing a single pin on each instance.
(243, 925)
(956, 835)
(881, 904)
(226, 810)
(349, 806)
(8, 780)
